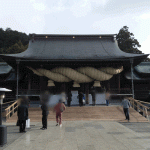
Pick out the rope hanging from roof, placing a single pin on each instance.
(80, 75)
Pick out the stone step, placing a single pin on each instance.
(110, 113)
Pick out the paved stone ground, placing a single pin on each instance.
(80, 135)
(12, 134)
(143, 127)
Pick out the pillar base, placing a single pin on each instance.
(3, 135)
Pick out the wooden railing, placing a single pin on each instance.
(147, 103)
(9, 111)
(139, 107)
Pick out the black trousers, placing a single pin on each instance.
(126, 112)
(44, 121)
(93, 102)
(80, 102)
(68, 103)
(22, 125)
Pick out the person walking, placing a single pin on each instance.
(59, 109)
(126, 104)
(45, 112)
(22, 114)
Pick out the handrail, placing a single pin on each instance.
(121, 94)
(11, 109)
(120, 89)
(137, 104)
(11, 105)
(143, 102)
(9, 102)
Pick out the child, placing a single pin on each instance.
(59, 108)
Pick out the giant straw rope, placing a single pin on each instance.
(80, 75)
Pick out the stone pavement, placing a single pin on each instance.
(81, 135)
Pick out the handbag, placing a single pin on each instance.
(28, 123)
(61, 109)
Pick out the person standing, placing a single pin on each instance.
(107, 97)
(80, 98)
(93, 95)
(126, 104)
(45, 112)
(22, 114)
(69, 98)
(59, 109)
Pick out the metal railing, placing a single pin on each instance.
(121, 90)
(25, 92)
(139, 107)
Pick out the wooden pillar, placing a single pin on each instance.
(17, 61)
(131, 61)
(87, 92)
(41, 84)
(138, 110)
(119, 82)
(144, 114)
(29, 81)
(108, 85)
(61, 87)
(64, 87)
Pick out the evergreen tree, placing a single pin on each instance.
(12, 42)
(16, 48)
(127, 42)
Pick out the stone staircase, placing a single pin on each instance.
(105, 113)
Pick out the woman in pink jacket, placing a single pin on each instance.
(59, 108)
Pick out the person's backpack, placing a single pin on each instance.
(83, 100)
(61, 109)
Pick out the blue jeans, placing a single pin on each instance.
(107, 102)
(126, 112)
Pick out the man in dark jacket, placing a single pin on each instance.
(22, 115)
(80, 98)
(45, 112)
(69, 98)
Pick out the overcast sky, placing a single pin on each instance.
(78, 17)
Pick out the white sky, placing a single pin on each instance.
(78, 17)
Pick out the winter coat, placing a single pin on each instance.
(59, 108)
(22, 112)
